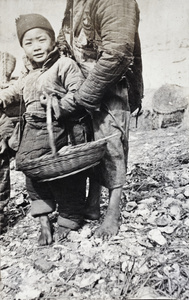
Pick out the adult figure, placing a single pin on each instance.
(7, 66)
(105, 43)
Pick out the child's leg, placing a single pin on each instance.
(70, 194)
(42, 204)
(92, 206)
(110, 225)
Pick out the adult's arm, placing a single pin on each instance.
(117, 24)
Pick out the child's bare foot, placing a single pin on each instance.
(64, 227)
(109, 227)
(46, 234)
(62, 232)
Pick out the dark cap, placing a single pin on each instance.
(30, 21)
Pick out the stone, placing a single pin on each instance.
(169, 104)
(163, 221)
(174, 211)
(186, 191)
(131, 206)
(43, 265)
(186, 222)
(156, 236)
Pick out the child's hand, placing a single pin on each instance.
(3, 146)
(44, 99)
(53, 100)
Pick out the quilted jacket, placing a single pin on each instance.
(59, 76)
(106, 45)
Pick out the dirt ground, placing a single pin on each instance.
(148, 259)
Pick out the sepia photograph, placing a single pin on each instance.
(94, 149)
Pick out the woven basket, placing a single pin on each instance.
(68, 160)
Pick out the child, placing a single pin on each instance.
(48, 74)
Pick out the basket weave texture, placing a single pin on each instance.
(68, 160)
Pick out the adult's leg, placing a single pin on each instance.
(114, 119)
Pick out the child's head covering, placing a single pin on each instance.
(30, 21)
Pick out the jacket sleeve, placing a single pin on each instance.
(70, 78)
(117, 25)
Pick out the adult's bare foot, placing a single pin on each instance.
(45, 237)
(109, 227)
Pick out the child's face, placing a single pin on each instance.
(37, 44)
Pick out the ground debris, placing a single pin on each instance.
(156, 236)
(149, 256)
(43, 265)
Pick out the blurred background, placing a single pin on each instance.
(164, 32)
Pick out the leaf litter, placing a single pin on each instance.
(148, 259)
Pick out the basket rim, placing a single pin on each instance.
(66, 153)
(69, 174)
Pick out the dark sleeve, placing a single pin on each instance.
(118, 22)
